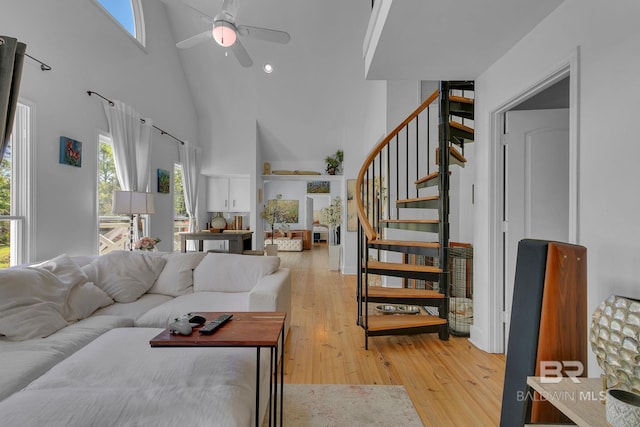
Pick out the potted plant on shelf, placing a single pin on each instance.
(271, 214)
(332, 216)
(334, 164)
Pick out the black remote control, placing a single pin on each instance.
(211, 327)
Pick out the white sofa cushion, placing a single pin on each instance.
(84, 299)
(24, 361)
(135, 309)
(160, 316)
(119, 380)
(32, 303)
(220, 272)
(177, 275)
(125, 275)
(64, 269)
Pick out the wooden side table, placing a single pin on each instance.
(244, 329)
(238, 240)
(582, 403)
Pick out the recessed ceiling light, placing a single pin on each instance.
(268, 68)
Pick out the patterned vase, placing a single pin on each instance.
(615, 340)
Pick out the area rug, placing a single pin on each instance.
(330, 405)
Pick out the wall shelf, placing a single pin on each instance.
(333, 178)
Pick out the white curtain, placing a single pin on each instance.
(190, 159)
(131, 136)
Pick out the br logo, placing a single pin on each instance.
(551, 371)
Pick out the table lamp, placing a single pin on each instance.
(132, 203)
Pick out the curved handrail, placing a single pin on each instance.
(364, 221)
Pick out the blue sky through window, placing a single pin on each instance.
(122, 11)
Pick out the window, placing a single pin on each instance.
(180, 217)
(128, 14)
(113, 231)
(6, 175)
(15, 202)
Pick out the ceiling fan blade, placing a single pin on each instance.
(241, 54)
(194, 40)
(182, 3)
(231, 7)
(264, 34)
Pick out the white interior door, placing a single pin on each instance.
(536, 187)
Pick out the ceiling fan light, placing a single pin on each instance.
(224, 34)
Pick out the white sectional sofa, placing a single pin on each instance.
(74, 339)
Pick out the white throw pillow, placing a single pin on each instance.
(32, 303)
(125, 275)
(84, 299)
(65, 269)
(220, 272)
(177, 275)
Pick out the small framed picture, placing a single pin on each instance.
(164, 181)
(70, 152)
(318, 187)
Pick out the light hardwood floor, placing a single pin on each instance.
(451, 383)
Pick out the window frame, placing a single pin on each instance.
(176, 218)
(104, 137)
(140, 37)
(22, 214)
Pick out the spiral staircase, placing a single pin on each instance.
(402, 199)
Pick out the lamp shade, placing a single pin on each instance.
(132, 202)
(224, 33)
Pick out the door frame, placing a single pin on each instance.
(568, 68)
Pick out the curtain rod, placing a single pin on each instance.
(43, 66)
(162, 131)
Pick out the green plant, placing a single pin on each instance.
(332, 216)
(334, 164)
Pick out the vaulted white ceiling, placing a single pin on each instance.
(446, 40)
(305, 109)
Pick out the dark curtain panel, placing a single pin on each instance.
(11, 60)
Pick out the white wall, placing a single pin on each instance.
(373, 123)
(88, 52)
(607, 37)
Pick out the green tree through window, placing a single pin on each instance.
(180, 211)
(107, 179)
(5, 207)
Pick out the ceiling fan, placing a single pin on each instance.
(227, 33)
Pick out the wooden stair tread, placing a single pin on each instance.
(461, 126)
(402, 321)
(380, 292)
(453, 152)
(461, 99)
(428, 180)
(410, 221)
(415, 244)
(418, 199)
(432, 175)
(379, 265)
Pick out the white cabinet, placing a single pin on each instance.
(229, 194)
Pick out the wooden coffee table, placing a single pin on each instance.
(244, 329)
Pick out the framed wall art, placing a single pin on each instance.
(164, 181)
(318, 187)
(70, 152)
